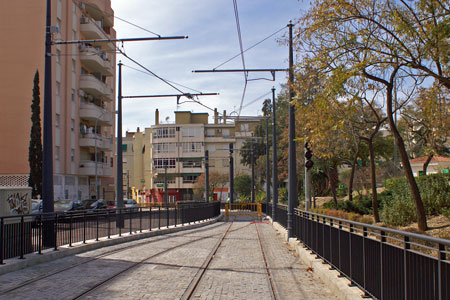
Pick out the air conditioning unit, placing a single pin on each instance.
(84, 20)
(81, 93)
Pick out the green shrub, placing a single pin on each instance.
(260, 197)
(398, 207)
(283, 195)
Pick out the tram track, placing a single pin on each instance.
(192, 288)
(104, 255)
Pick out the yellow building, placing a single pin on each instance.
(181, 147)
(83, 93)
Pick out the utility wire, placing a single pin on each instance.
(238, 27)
(144, 72)
(259, 98)
(123, 20)
(251, 47)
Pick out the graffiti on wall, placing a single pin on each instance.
(18, 203)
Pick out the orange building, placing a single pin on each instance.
(83, 95)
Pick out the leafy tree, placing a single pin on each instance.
(243, 185)
(35, 147)
(390, 44)
(428, 118)
(216, 180)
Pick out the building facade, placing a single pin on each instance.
(176, 151)
(83, 95)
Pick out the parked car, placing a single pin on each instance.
(129, 203)
(79, 205)
(99, 204)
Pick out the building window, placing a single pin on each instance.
(56, 152)
(192, 147)
(164, 147)
(159, 163)
(244, 127)
(57, 118)
(73, 95)
(197, 163)
(211, 132)
(73, 66)
(190, 178)
(164, 132)
(124, 147)
(72, 155)
(211, 148)
(225, 132)
(58, 87)
(72, 125)
(191, 132)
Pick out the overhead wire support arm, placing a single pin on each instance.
(121, 40)
(188, 95)
(272, 71)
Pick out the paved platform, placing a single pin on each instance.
(163, 267)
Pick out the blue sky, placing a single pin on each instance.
(213, 39)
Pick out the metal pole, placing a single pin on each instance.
(267, 165)
(274, 159)
(207, 175)
(253, 174)
(119, 175)
(231, 174)
(128, 184)
(292, 174)
(47, 161)
(165, 182)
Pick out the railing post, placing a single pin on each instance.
(40, 234)
(167, 210)
(140, 219)
(21, 237)
(364, 256)
(383, 240)
(150, 218)
(84, 227)
(70, 230)
(441, 257)
(96, 234)
(131, 220)
(109, 225)
(406, 247)
(351, 256)
(2, 233)
(56, 232)
(122, 221)
(159, 216)
(176, 220)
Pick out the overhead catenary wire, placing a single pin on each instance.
(251, 47)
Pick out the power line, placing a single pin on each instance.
(251, 47)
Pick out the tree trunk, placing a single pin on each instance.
(352, 174)
(427, 162)
(332, 177)
(415, 193)
(373, 179)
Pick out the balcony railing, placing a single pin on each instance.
(87, 168)
(95, 140)
(93, 113)
(92, 85)
(95, 59)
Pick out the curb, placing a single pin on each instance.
(339, 286)
(14, 264)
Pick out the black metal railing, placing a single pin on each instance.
(385, 263)
(20, 235)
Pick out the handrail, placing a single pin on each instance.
(380, 228)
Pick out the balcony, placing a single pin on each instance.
(87, 168)
(94, 113)
(90, 84)
(95, 140)
(95, 60)
(109, 94)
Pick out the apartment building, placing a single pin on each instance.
(83, 94)
(176, 151)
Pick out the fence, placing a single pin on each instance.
(20, 235)
(385, 263)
